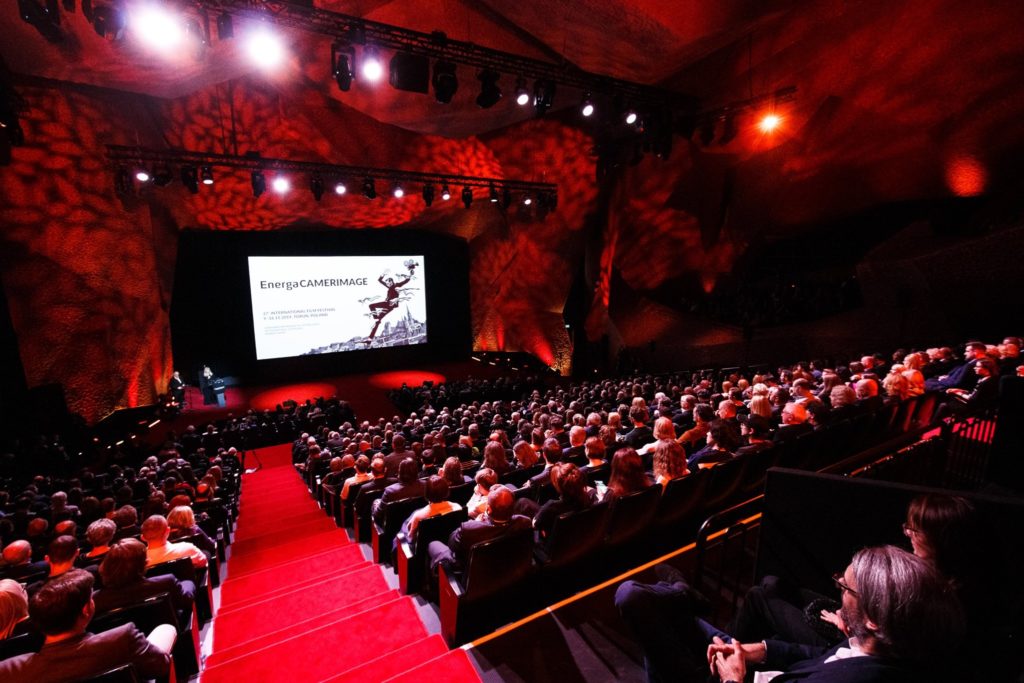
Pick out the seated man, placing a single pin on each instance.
(123, 571)
(62, 610)
(362, 474)
(155, 532)
(18, 562)
(899, 613)
(496, 521)
(61, 559)
(409, 486)
(436, 492)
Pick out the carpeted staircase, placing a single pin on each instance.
(302, 604)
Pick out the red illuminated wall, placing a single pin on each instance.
(89, 276)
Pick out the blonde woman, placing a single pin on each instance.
(13, 606)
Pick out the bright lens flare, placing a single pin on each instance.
(372, 67)
(265, 49)
(157, 28)
(281, 185)
(769, 123)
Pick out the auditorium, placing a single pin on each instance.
(607, 340)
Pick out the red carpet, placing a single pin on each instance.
(298, 591)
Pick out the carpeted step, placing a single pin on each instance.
(267, 514)
(277, 612)
(245, 530)
(453, 667)
(393, 663)
(304, 547)
(270, 578)
(291, 586)
(319, 653)
(278, 537)
(299, 627)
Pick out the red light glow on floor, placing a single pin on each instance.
(298, 392)
(414, 378)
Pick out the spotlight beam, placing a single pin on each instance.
(140, 156)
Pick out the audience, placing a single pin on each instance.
(156, 532)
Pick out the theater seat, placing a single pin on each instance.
(413, 565)
(149, 614)
(395, 513)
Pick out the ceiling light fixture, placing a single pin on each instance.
(445, 82)
(769, 123)
(340, 188)
(316, 186)
(445, 192)
(467, 196)
(522, 94)
(265, 49)
(190, 179)
(490, 93)
(372, 68)
(369, 188)
(281, 184)
(342, 61)
(587, 106)
(206, 173)
(259, 183)
(428, 194)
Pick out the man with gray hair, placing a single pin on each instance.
(901, 618)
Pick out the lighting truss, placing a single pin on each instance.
(436, 45)
(143, 157)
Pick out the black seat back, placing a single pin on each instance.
(498, 564)
(576, 534)
(122, 674)
(146, 615)
(181, 569)
(724, 481)
(395, 513)
(21, 644)
(630, 515)
(362, 508)
(462, 493)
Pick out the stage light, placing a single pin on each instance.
(587, 106)
(225, 26)
(445, 82)
(281, 184)
(122, 180)
(631, 117)
(409, 72)
(259, 183)
(206, 173)
(372, 68)
(108, 21)
(190, 179)
(156, 27)
(490, 93)
(142, 175)
(265, 49)
(398, 192)
(543, 96)
(369, 188)
(44, 18)
(467, 196)
(527, 200)
(342, 60)
(506, 198)
(428, 194)
(316, 186)
(493, 194)
(522, 94)
(340, 188)
(769, 122)
(445, 192)
(162, 177)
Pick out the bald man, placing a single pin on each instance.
(18, 561)
(496, 521)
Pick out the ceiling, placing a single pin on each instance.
(895, 100)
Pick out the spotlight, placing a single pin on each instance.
(265, 49)
(428, 194)
(45, 18)
(769, 122)
(467, 196)
(493, 194)
(587, 106)
(446, 84)
(522, 94)
(156, 27)
(631, 117)
(527, 200)
(369, 188)
(259, 183)
(490, 93)
(372, 68)
(162, 177)
(122, 180)
(281, 184)
(316, 186)
(342, 60)
(445, 192)
(225, 26)
(339, 188)
(142, 175)
(190, 179)
(506, 198)
(398, 192)
(206, 173)
(409, 72)
(543, 96)
(107, 21)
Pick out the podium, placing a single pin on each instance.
(219, 387)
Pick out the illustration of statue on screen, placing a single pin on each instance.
(379, 309)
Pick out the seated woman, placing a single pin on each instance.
(452, 472)
(669, 462)
(99, 534)
(477, 505)
(496, 458)
(628, 475)
(573, 496)
(183, 524)
(125, 583)
(13, 608)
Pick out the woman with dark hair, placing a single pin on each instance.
(573, 496)
(628, 475)
(721, 444)
(123, 571)
(495, 458)
(669, 462)
(452, 472)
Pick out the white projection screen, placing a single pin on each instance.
(305, 305)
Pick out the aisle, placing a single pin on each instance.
(301, 603)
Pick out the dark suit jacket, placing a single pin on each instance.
(87, 655)
(789, 432)
(393, 460)
(806, 663)
(475, 531)
(182, 593)
(398, 491)
(363, 502)
(576, 455)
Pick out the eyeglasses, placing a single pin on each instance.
(841, 583)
